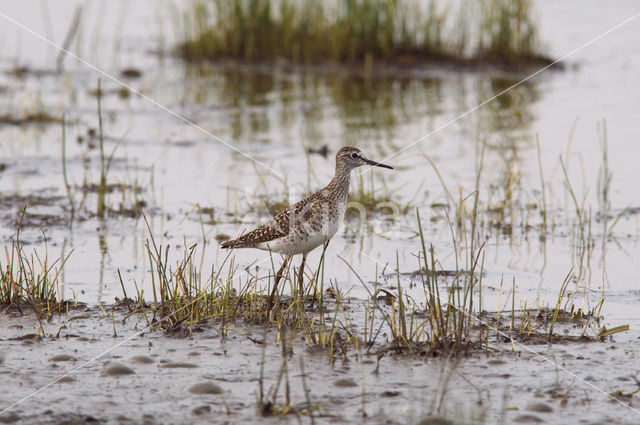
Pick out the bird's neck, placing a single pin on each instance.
(339, 185)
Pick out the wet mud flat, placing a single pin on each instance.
(84, 374)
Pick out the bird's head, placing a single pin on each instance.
(351, 158)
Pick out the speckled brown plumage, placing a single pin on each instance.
(304, 213)
(312, 221)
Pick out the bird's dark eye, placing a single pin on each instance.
(354, 155)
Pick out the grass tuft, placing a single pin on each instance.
(499, 32)
(31, 280)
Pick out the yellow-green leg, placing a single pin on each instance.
(275, 284)
(301, 275)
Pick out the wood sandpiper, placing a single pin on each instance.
(312, 222)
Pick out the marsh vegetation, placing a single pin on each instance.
(400, 32)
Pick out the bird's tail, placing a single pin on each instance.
(234, 243)
(246, 240)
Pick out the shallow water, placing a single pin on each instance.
(272, 115)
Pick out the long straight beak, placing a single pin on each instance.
(377, 164)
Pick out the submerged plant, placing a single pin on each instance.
(131, 190)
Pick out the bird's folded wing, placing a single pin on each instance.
(301, 216)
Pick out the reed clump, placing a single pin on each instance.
(348, 31)
(449, 319)
(31, 280)
(446, 320)
(185, 298)
(508, 31)
(568, 320)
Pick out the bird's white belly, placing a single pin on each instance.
(302, 242)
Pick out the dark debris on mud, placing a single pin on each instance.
(29, 118)
(48, 417)
(12, 206)
(44, 211)
(15, 310)
(12, 201)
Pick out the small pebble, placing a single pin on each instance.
(62, 358)
(118, 369)
(435, 420)
(9, 418)
(527, 419)
(177, 365)
(205, 388)
(345, 382)
(201, 410)
(142, 359)
(131, 73)
(539, 407)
